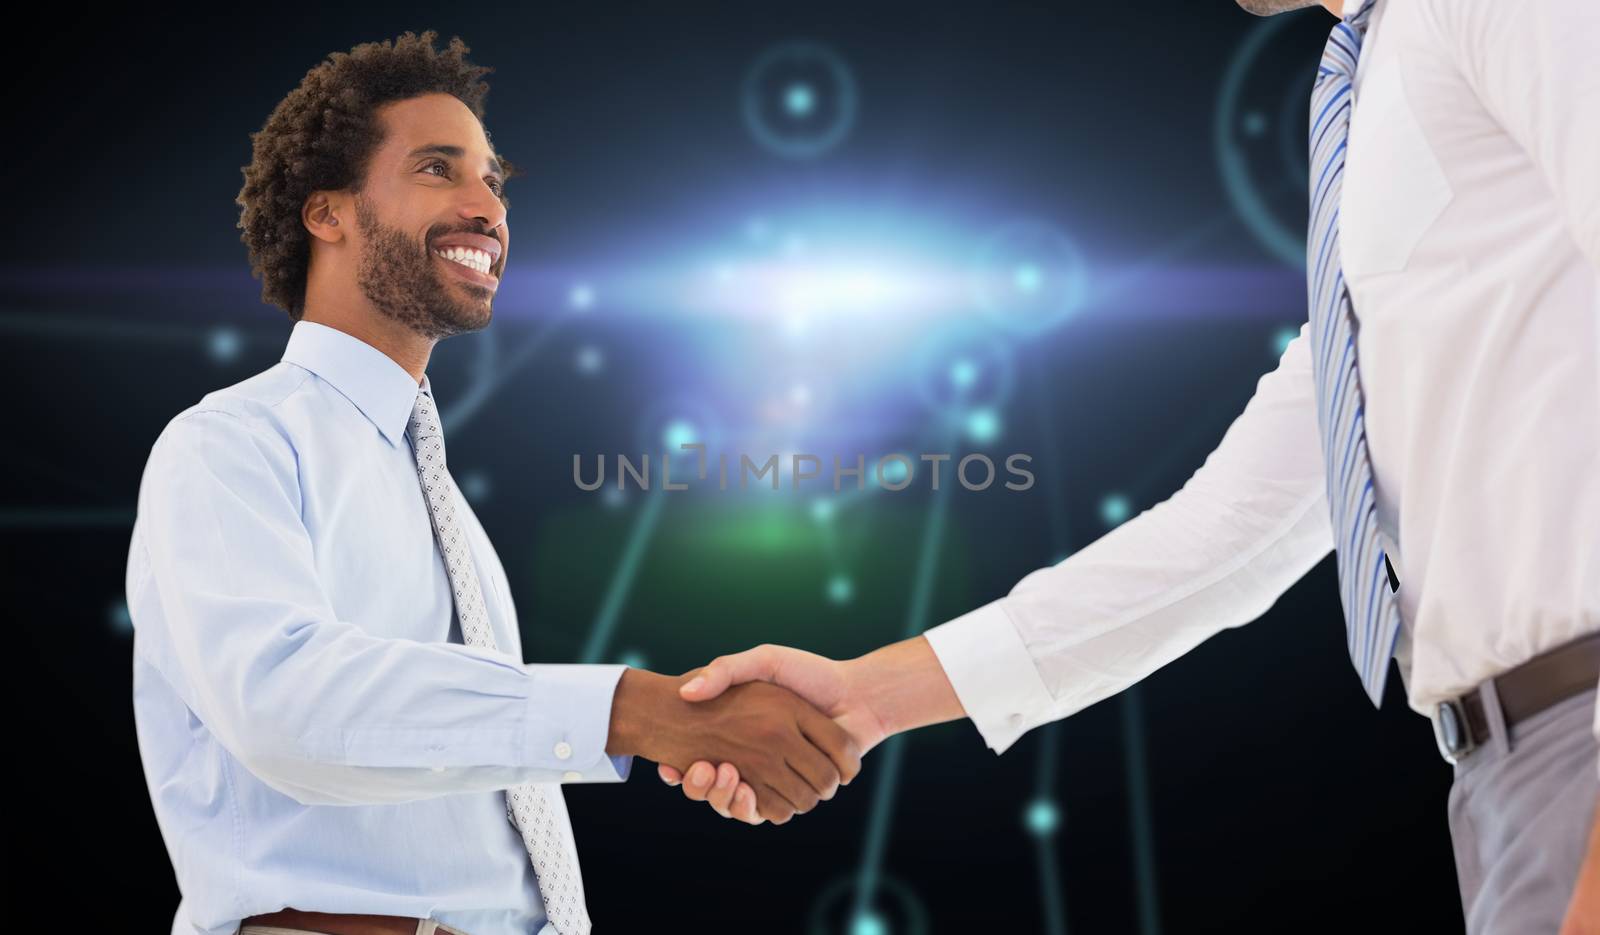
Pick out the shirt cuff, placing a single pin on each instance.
(992, 673)
(569, 722)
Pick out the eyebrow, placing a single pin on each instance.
(454, 152)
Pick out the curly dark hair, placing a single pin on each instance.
(320, 138)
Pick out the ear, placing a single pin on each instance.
(320, 214)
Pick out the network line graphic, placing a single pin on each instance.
(783, 283)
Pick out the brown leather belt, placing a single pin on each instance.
(1460, 725)
(336, 923)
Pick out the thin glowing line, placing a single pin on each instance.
(487, 344)
(882, 794)
(159, 332)
(1144, 863)
(1052, 888)
(1049, 741)
(1126, 275)
(1055, 910)
(469, 407)
(1196, 429)
(605, 622)
(830, 546)
(65, 517)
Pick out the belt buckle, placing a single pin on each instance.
(1451, 731)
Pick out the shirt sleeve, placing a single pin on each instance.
(317, 707)
(1533, 65)
(1250, 522)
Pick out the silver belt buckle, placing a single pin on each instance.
(1451, 731)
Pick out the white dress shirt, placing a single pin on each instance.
(313, 731)
(1470, 229)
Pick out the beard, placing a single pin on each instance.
(399, 277)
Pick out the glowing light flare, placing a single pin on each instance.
(802, 292)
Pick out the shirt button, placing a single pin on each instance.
(570, 776)
(563, 751)
(1015, 719)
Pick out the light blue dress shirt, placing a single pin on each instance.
(313, 731)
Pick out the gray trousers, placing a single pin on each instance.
(1521, 808)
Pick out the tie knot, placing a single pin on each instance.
(1344, 45)
(424, 418)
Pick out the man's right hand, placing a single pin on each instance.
(894, 688)
(789, 754)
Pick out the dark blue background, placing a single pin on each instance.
(1276, 798)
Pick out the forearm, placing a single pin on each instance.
(328, 714)
(638, 708)
(413, 731)
(904, 686)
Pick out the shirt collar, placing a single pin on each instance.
(1355, 8)
(382, 389)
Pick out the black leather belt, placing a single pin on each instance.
(335, 923)
(1460, 724)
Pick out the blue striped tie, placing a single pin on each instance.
(1372, 616)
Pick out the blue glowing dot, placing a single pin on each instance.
(1114, 509)
(840, 589)
(963, 373)
(983, 425)
(1255, 123)
(121, 620)
(1280, 341)
(1043, 817)
(800, 100)
(894, 472)
(822, 510)
(589, 359)
(613, 498)
(475, 486)
(757, 229)
(633, 659)
(795, 244)
(868, 923)
(224, 345)
(678, 432)
(1028, 278)
(581, 296)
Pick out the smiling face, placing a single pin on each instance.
(431, 219)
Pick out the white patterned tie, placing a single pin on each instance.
(537, 810)
(1372, 615)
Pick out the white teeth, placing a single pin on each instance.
(467, 256)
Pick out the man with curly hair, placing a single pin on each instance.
(336, 725)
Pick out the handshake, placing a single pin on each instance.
(766, 734)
